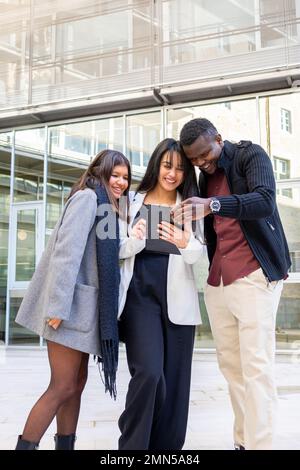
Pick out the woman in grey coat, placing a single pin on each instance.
(61, 303)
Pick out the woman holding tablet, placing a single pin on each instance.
(159, 305)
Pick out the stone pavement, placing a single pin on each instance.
(24, 375)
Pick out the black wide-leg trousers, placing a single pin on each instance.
(159, 356)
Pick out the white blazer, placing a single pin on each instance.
(182, 295)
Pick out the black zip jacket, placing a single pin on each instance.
(250, 178)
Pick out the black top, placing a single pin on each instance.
(155, 214)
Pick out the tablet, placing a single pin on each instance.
(154, 215)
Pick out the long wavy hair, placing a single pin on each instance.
(188, 187)
(99, 172)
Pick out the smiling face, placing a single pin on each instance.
(205, 152)
(171, 171)
(118, 181)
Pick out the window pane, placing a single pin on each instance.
(14, 47)
(69, 153)
(68, 62)
(26, 244)
(29, 165)
(235, 122)
(109, 134)
(74, 142)
(203, 338)
(277, 115)
(17, 334)
(288, 200)
(143, 134)
(288, 317)
(206, 30)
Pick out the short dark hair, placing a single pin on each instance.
(196, 128)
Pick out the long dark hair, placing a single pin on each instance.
(188, 187)
(100, 171)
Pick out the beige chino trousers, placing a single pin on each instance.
(242, 317)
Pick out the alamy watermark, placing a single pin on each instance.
(107, 226)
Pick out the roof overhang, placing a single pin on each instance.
(168, 94)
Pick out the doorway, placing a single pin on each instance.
(26, 245)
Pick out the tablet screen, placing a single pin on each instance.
(154, 215)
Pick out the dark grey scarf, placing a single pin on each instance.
(109, 280)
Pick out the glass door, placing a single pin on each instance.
(25, 249)
(27, 242)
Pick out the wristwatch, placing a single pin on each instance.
(215, 205)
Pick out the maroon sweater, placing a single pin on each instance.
(233, 258)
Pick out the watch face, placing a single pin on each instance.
(215, 205)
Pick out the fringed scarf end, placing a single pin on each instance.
(109, 361)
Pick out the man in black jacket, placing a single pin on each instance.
(249, 259)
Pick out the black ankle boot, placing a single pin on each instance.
(26, 445)
(64, 442)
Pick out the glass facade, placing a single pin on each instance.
(47, 55)
(47, 160)
(56, 54)
(261, 120)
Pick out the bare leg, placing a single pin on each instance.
(68, 413)
(65, 365)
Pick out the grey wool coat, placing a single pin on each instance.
(65, 283)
